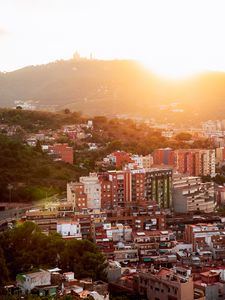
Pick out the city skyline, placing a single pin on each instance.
(171, 38)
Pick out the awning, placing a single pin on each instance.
(147, 259)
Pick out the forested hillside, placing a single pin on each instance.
(99, 87)
(32, 174)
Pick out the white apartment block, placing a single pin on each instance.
(92, 189)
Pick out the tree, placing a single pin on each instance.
(183, 136)
(26, 248)
(4, 274)
(66, 111)
(38, 147)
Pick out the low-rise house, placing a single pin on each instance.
(69, 229)
(26, 282)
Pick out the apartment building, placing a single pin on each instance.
(121, 188)
(167, 284)
(158, 187)
(201, 236)
(138, 187)
(164, 156)
(191, 195)
(196, 162)
(220, 154)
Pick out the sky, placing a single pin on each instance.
(171, 37)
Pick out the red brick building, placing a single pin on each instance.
(164, 156)
(121, 188)
(63, 151)
(196, 162)
(121, 158)
(106, 193)
(138, 188)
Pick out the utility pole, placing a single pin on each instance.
(10, 187)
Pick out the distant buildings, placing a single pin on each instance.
(164, 156)
(120, 159)
(220, 155)
(196, 162)
(62, 152)
(28, 105)
(191, 162)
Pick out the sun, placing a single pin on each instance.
(170, 67)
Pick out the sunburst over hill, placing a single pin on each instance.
(115, 87)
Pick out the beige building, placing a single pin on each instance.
(92, 189)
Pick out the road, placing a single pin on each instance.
(10, 215)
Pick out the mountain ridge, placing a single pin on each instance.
(112, 87)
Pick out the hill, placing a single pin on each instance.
(31, 174)
(115, 87)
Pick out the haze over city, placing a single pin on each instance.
(112, 150)
(171, 38)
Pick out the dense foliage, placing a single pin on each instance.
(33, 121)
(31, 174)
(26, 248)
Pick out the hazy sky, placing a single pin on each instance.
(170, 36)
